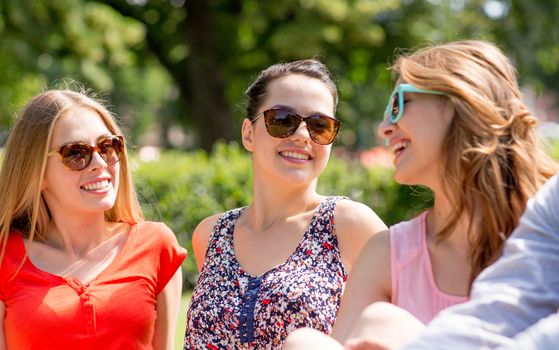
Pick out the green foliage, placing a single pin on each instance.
(138, 52)
(553, 147)
(181, 189)
(48, 43)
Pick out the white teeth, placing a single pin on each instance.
(398, 146)
(295, 155)
(96, 185)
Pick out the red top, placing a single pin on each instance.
(116, 310)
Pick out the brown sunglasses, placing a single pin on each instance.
(77, 156)
(282, 123)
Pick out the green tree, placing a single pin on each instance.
(44, 43)
(173, 62)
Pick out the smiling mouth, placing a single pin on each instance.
(295, 155)
(399, 146)
(96, 186)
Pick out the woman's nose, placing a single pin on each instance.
(302, 132)
(386, 128)
(97, 162)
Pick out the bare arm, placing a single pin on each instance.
(355, 224)
(369, 282)
(168, 304)
(200, 239)
(2, 335)
(513, 294)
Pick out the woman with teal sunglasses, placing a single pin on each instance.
(457, 125)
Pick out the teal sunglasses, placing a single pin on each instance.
(395, 107)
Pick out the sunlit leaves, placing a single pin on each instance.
(106, 44)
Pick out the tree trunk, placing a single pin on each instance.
(210, 110)
(200, 80)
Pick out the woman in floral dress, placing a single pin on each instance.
(280, 263)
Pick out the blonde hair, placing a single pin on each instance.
(492, 158)
(22, 207)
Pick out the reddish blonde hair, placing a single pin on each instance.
(492, 157)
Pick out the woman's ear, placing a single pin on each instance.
(247, 134)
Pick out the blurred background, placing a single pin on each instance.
(175, 72)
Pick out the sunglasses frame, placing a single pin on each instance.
(337, 124)
(401, 89)
(92, 148)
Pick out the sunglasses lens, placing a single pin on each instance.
(322, 129)
(110, 149)
(76, 156)
(395, 107)
(281, 123)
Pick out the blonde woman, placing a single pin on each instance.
(79, 269)
(457, 124)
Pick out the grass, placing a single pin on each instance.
(179, 336)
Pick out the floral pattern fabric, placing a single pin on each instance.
(231, 309)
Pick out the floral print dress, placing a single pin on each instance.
(231, 309)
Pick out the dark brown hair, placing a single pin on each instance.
(312, 68)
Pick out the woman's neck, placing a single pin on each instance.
(272, 204)
(439, 217)
(79, 234)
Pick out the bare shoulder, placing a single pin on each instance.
(355, 224)
(352, 214)
(201, 236)
(204, 229)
